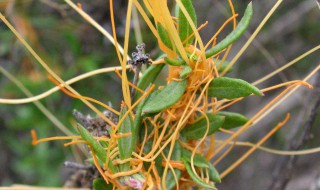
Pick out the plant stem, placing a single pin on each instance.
(135, 79)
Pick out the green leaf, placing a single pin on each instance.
(104, 144)
(176, 155)
(198, 160)
(230, 88)
(148, 77)
(186, 70)
(164, 36)
(158, 164)
(164, 98)
(148, 146)
(174, 62)
(232, 119)
(138, 119)
(195, 178)
(234, 35)
(126, 144)
(100, 184)
(185, 29)
(223, 66)
(179, 61)
(96, 147)
(193, 57)
(158, 160)
(198, 129)
(214, 174)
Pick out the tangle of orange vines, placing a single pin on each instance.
(96, 163)
(126, 173)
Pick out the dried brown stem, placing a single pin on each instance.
(284, 170)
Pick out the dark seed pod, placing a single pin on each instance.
(96, 125)
(139, 58)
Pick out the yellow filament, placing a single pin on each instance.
(240, 160)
